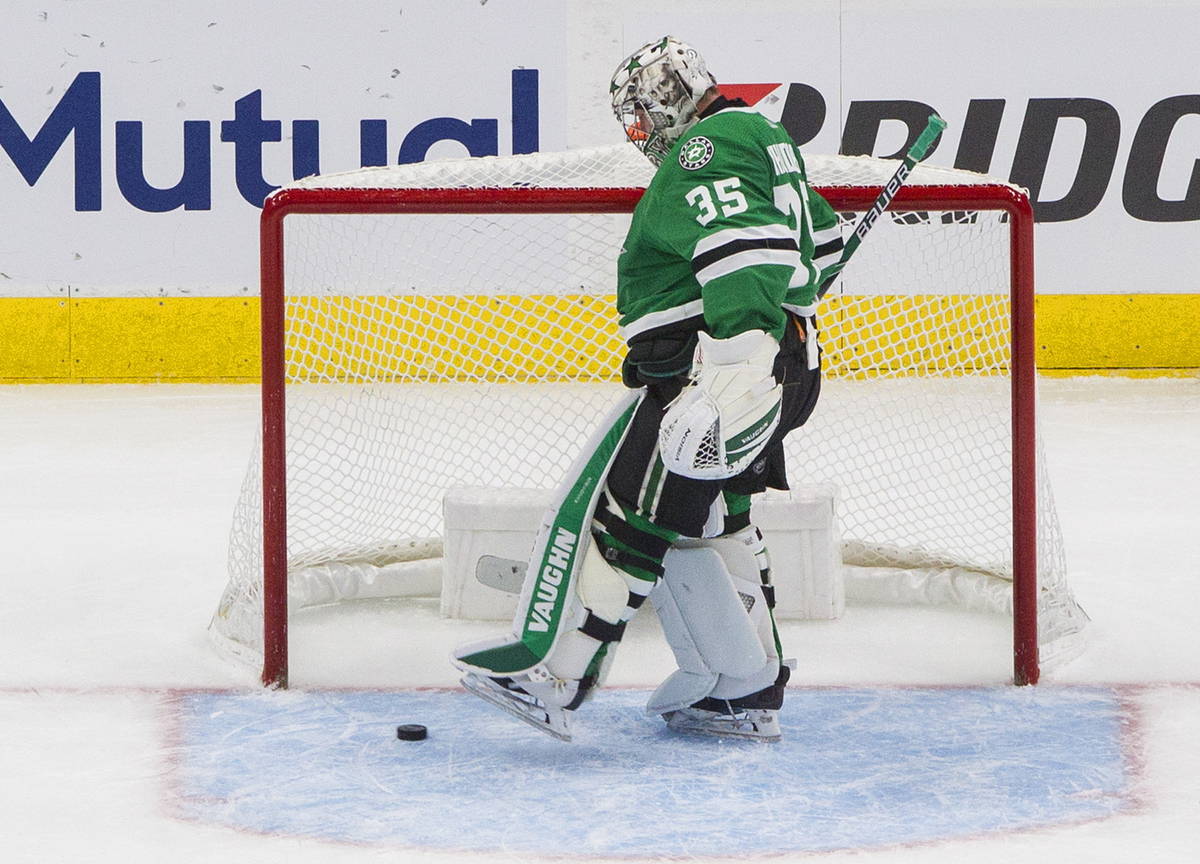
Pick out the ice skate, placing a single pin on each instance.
(758, 724)
(507, 694)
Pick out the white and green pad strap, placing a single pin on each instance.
(572, 601)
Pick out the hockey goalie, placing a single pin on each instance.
(717, 285)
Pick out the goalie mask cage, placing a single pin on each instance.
(453, 324)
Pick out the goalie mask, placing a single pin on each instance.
(655, 92)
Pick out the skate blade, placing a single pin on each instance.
(549, 720)
(720, 727)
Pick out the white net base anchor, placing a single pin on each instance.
(800, 528)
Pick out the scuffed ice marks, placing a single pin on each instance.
(856, 769)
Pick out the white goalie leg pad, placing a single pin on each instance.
(546, 694)
(595, 611)
(694, 679)
(744, 554)
(715, 618)
(549, 605)
(552, 659)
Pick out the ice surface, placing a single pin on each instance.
(114, 513)
(856, 769)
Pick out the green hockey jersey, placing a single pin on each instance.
(729, 230)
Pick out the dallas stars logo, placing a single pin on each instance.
(695, 153)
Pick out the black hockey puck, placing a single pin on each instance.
(411, 732)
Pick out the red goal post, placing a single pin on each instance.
(923, 203)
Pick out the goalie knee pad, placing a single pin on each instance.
(715, 610)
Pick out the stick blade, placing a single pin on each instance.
(503, 574)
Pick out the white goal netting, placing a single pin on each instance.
(425, 351)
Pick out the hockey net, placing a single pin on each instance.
(452, 324)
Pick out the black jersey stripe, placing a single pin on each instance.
(830, 248)
(733, 247)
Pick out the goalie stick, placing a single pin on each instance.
(914, 155)
(503, 574)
